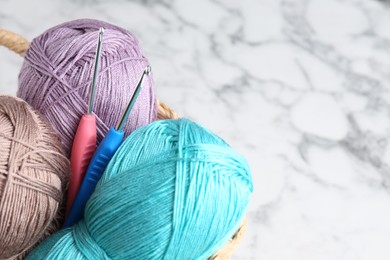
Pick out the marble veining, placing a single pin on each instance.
(299, 87)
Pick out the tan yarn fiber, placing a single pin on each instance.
(33, 176)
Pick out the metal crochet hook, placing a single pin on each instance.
(95, 70)
(84, 142)
(134, 95)
(101, 158)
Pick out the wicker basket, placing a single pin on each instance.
(19, 44)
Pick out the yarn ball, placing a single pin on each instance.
(173, 190)
(33, 174)
(57, 72)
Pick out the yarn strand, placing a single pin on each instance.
(173, 190)
(33, 176)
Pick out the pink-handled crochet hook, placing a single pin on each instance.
(84, 143)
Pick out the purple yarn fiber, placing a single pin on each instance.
(57, 72)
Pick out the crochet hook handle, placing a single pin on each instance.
(84, 145)
(98, 164)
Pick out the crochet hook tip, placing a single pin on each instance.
(95, 71)
(148, 70)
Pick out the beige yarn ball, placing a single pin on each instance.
(33, 176)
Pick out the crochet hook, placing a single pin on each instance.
(101, 158)
(84, 142)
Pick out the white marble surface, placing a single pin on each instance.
(300, 87)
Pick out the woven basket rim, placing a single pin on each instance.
(18, 44)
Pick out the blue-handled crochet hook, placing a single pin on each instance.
(101, 158)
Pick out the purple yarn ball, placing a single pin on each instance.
(57, 72)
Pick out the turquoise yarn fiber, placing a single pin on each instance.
(173, 190)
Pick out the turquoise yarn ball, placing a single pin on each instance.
(173, 190)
